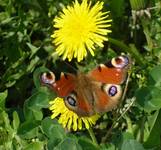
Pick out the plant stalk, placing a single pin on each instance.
(129, 49)
(91, 133)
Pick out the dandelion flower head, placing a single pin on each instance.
(80, 28)
(68, 118)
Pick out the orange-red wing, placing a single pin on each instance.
(104, 102)
(108, 75)
(114, 71)
(64, 85)
(85, 108)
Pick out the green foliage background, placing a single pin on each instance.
(26, 50)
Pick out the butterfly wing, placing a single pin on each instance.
(82, 106)
(108, 78)
(75, 90)
(107, 97)
(98, 91)
(114, 71)
(63, 86)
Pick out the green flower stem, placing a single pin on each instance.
(145, 25)
(129, 49)
(117, 117)
(137, 4)
(129, 124)
(141, 140)
(91, 133)
(126, 86)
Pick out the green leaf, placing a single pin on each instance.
(53, 129)
(29, 129)
(53, 143)
(33, 49)
(86, 144)
(4, 136)
(131, 145)
(154, 137)
(3, 96)
(155, 74)
(6, 121)
(33, 64)
(33, 105)
(16, 120)
(117, 7)
(68, 144)
(107, 147)
(127, 135)
(149, 98)
(35, 146)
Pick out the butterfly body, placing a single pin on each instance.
(95, 92)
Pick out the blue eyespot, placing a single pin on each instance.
(126, 60)
(47, 78)
(112, 90)
(71, 101)
(120, 62)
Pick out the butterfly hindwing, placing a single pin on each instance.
(107, 97)
(79, 104)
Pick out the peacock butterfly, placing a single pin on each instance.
(95, 92)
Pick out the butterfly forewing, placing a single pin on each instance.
(114, 71)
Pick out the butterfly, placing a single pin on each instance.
(98, 91)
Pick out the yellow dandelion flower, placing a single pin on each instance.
(68, 118)
(80, 28)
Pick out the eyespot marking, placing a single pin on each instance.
(120, 62)
(70, 101)
(48, 78)
(112, 90)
